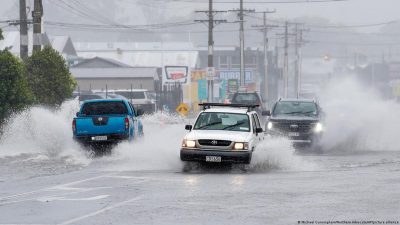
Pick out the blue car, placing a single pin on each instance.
(107, 121)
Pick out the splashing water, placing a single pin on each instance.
(278, 154)
(357, 119)
(42, 132)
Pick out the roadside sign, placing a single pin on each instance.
(210, 73)
(182, 109)
(175, 74)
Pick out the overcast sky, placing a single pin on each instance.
(347, 12)
(351, 12)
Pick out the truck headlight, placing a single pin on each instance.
(269, 126)
(240, 146)
(189, 143)
(318, 128)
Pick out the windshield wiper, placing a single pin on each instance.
(298, 112)
(207, 125)
(233, 125)
(292, 113)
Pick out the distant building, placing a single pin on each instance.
(65, 46)
(144, 54)
(62, 44)
(101, 73)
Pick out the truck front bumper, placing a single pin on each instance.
(226, 156)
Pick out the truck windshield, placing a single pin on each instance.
(295, 108)
(222, 121)
(104, 108)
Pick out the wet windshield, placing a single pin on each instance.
(295, 108)
(223, 121)
(104, 108)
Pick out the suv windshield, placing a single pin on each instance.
(246, 98)
(295, 108)
(104, 108)
(222, 121)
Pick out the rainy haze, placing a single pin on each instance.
(199, 112)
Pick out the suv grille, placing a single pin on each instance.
(294, 126)
(214, 142)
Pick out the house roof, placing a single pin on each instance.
(63, 45)
(151, 54)
(100, 62)
(126, 72)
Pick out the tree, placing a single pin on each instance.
(49, 77)
(15, 93)
(1, 35)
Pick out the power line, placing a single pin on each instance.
(267, 2)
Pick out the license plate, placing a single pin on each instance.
(294, 134)
(213, 159)
(99, 138)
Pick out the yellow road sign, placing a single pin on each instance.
(182, 109)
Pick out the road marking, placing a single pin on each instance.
(61, 198)
(100, 211)
(50, 188)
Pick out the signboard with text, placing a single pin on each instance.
(175, 74)
(235, 74)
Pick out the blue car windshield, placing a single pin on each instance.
(223, 121)
(104, 108)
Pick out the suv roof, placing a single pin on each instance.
(296, 100)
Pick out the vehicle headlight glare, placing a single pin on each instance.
(190, 144)
(240, 146)
(318, 128)
(269, 125)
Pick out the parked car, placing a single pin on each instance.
(300, 120)
(140, 98)
(106, 121)
(222, 133)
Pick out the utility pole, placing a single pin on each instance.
(286, 62)
(210, 50)
(286, 59)
(23, 30)
(265, 28)
(211, 23)
(241, 17)
(37, 25)
(241, 11)
(296, 62)
(299, 42)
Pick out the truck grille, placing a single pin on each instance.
(210, 142)
(294, 126)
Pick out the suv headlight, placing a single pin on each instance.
(241, 146)
(270, 125)
(189, 143)
(318, 128)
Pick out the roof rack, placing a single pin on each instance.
(209, 105)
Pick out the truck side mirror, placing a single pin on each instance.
(139, 112)
(188, 127)
(259, 130)
(266, 113)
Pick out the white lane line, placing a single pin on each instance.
(50, 188)
(100, 211)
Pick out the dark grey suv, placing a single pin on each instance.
(300, 120)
